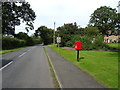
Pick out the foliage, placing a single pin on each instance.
(66, 32)
(91, 31)
(45, 33)
(70, 33)
(105, 18)
(90, 36)
(37, 40)
(10, 43)
(114, 45)
(22, 35)
(118, 23)
(22, 39)
(88, 43)
(12, 13)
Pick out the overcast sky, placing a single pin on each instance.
(64, 11)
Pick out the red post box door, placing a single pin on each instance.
(78, 45)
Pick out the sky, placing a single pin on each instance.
(64, 11)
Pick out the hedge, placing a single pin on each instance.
(89, 43)
(10, 43)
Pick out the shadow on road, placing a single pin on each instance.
(3, 62)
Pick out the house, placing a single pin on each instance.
(112, 39)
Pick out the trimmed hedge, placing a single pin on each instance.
(10, 43)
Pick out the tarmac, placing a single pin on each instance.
(69, 75)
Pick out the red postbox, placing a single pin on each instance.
(78, 45)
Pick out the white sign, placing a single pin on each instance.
(58, 39)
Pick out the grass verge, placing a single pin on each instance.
(102, 65)
(52, 71)
(10, 50)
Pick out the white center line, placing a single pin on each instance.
(6, 65)
(22, 54)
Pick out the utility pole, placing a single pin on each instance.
(54, 34)
(118, 7)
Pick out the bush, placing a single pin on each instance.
(37, 40)
(10, 43)
(87, 42)
(69, 44)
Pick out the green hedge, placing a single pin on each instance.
(88, 43)
(10, 43)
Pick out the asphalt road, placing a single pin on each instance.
(69, 75)
(26, 68)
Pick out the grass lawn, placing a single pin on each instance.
(10, 50)
(114, 45)
(102, 65)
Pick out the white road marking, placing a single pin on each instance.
(6, 65)
(22, 54)
(12, 61)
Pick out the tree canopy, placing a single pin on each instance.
(91, 31)
(13, 13)
(105, 18)
(45, 33)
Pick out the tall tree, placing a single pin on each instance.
(105, 18)
(45, 33)
(67, 31)
(91, 31)
(22, 35)
(13, 13)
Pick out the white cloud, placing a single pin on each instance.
(66, 11)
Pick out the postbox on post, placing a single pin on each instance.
(78, 46)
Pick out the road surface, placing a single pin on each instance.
(26, 68)
(69, 75)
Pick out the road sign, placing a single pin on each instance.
(58, 39)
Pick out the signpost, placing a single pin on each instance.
(78, 46)
(58, 41)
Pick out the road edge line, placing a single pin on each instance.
(53, 69)
(6, 65)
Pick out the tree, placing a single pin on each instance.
(118, 22)
(91, 31)
(105, 18)
(45, 33)
(22, 35)
(66, 32)
(13, 13)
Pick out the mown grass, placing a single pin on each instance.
(102, 65)
(10, 50)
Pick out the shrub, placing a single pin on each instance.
(10, 43)
(69, 44)
(88, 43)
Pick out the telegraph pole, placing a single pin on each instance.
(54, 34)
(118, 7)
